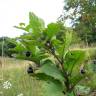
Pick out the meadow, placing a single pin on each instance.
(16, 81)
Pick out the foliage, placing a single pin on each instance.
(8, 43)
(21, 83)
(57, 62)
(83, 18)
(83, 89)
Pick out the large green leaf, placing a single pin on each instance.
(52, 30)
(36, 24)
(29, 44)
(83, 89)
(67, 42)
(51, 70)
(19, 47)
(50, 85)
(77, 78)
(53, 88)
(73, 58)
(62, 47)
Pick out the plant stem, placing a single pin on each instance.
(67, 83)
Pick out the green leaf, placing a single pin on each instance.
(66, 44)
(29, 45)
(54, 88)
(22, 24)
(73, 59)
(62, 47)
(74, 80)
(19, 47)
(50, 85)
(83, 89)
(36, 24)
(52, 30)
(71, 94)
(51, 70)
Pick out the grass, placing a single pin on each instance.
(14, 71)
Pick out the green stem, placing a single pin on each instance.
(67, 83)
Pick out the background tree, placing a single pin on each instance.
(83, 18)
(8, 43)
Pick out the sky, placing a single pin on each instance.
(12, 12)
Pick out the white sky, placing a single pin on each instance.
(12, 12)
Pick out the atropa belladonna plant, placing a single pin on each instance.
(59, 66)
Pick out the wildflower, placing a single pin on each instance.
(21, 94)
(7, 85)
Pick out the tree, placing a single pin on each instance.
(83, 16)
(57, 63)
(8, 43)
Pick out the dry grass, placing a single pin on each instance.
(14, 71)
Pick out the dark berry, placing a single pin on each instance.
(28, 54)
(63, 92)
(48, 44)
(29, 70)
(82, 71)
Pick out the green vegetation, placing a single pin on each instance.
(8, 43)
(59, 68)
(83, 17)
(15, 73)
